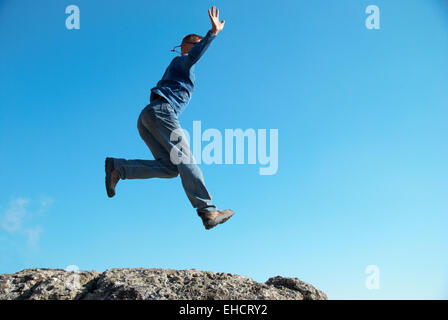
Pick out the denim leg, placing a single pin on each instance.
(161, 167)
(161, 121)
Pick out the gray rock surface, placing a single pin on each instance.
(149, 284)
(308, 291)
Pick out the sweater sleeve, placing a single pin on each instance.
(199, 49)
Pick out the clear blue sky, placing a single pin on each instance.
(362, 119)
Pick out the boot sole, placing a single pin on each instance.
(218, 220)
(109, 167)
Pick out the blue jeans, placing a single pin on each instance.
(155, 124)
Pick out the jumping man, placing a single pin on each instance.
(158, 121)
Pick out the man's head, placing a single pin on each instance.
(188, 42)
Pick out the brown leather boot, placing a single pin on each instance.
(112, 177)
(212, 219)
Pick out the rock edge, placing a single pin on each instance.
(149, 284)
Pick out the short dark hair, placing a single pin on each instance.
(191, 37)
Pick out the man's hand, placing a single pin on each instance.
(214, 18)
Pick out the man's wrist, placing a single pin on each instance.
(213, 32)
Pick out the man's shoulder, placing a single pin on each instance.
(182, 57)
(177, 59)
(180, 61)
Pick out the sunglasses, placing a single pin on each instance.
(174, 49)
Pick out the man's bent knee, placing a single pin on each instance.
(173, 174)
(171, 171)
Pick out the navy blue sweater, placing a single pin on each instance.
(177, 83)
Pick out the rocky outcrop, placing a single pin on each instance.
(149, 284)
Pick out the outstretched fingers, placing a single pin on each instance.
(214, 12)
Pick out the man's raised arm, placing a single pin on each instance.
(199, 48)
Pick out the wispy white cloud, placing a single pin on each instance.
(16, 217)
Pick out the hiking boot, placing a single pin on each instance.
(212, 219)
(112, 177)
